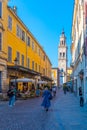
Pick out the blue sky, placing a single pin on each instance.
(46, 19)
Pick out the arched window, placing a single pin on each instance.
(62, 42)
(60, 54)
(63, 54)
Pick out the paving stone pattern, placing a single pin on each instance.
(65, 114)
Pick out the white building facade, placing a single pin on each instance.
(79, 47)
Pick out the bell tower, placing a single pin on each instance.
(62, 56)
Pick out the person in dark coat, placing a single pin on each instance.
(46, 99)
(81, 97)
(11, 94)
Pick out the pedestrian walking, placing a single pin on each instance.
(11, 94)
(64, 88)
(54, 91)
(46, 99)
(37, 91)
(81, 97)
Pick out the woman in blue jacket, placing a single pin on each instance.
(46, 99)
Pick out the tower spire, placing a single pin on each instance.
(63, 31)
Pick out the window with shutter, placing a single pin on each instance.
(0, 9)
(9, 54)
(0, 41)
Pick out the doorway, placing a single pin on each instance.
(0, 81)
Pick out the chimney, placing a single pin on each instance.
(15, 9)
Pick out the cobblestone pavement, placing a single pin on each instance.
(64, 114)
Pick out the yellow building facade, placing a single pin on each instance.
(24, 55)
(3, 47)
(69, 72)
(55, 76)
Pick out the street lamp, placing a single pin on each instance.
(15, 63)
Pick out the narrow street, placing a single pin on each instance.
(64, 114)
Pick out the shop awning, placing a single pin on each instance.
(23, 80)
(42, 82)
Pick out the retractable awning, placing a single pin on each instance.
(42, 82)
(23, 80)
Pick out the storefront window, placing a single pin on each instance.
(0, 81)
